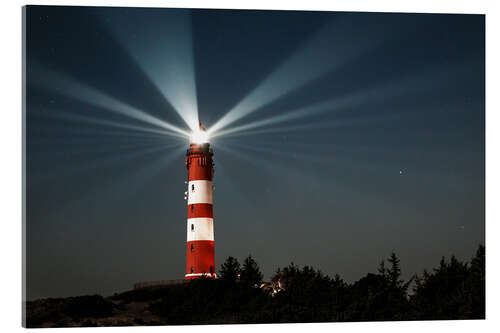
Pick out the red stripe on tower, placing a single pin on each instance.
(200, 210)
(200, 223)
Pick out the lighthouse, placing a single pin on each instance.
(200, 218)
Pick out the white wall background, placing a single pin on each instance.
(10, 233)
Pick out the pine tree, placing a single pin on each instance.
(381, 269)
(394, 271)
(250, 273)
(478, 263)
(477, 283)
(230, 269)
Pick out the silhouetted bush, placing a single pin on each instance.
(49, 310)
(62, 311)
(454, 290)
(88, 307)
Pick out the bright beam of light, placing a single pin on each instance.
(79, 91)
(69, 116)
(334, 105)
(290, 154)
(342, 158)
(253, 161)
(230, 183)
(145, 175)
(288, 116)
(119, 187)
(102, 159)
(199, 136)
(334, 151)
(161, 43)
(424, 82)
(315, 126)
(74, 148)
(310, 126)
(309, 63)
(283, 170)
(275, 130)
(86, 135)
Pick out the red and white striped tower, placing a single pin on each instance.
(200, 219)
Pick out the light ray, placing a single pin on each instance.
(276, 147)
(259, 149)
(144, 175)
(118, 188)
(238, 154)
(95, 136)
(312, 126)
(161, 43)
(423, 82)
(283, 170)
(69, 116)
(345, 158)
(74, 149)
(66, 86)
(284, 117)
(104, 159)
(309, 63)
(233, 188)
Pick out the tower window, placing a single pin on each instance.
(192, 247)
(192, 269)
(192, 208)
(192, 228)
(211, 269)
(192, 187)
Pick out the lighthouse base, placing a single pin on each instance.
(200, 259)
(200, 275)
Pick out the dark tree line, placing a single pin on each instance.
(453, 290)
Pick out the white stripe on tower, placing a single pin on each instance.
(200, 228)
(199, 191)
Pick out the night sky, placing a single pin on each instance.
(340, 137)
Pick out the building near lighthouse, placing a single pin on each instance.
(200, 258)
